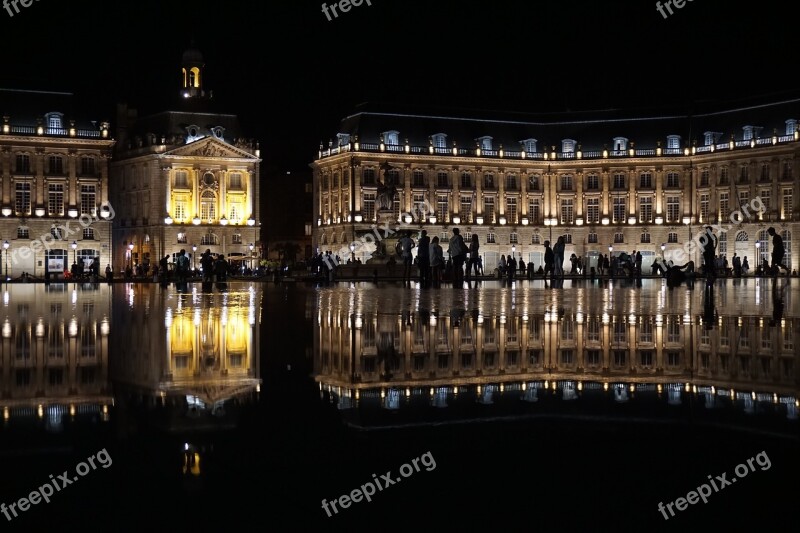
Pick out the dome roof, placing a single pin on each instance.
(192, 55)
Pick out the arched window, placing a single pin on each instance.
(536, 239)
(208, 206)
(87, 257)
(209, 239)
(742, 236)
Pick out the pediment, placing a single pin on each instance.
(210, 147)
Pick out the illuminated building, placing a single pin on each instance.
(55, 186)
(184, 178)
(631, 181)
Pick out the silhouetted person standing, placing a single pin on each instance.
(778, 251)
(424, 258)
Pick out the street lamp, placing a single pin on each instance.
(5, 248)
(663, 247)
(758, 255)
(194, 249)
(74, 246)
(253, 247)
(130, 255)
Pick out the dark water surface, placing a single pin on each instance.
(524, 407)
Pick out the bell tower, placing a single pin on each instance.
(192, 66)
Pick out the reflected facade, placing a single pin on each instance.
(54, 353)
(533, 348)
(73, 351)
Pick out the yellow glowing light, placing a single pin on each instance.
(605, 387)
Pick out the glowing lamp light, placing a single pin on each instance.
(631, 220)
(408, 219)
(579, 221)
(502, 221)
(6, 211)
(358, 218)
(251, 221)
(525, 221)
(456, 219)
(168, 220)
(432, 220)
(605, 221)
(223, 221)
(72, 212)
(479, 220)
(659, 220)
(687, 221)
(196, 221)
(40, 211)
(105, 212)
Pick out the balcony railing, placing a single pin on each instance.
(10, 129)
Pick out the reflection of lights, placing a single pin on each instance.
(480, 319)
(455, 390)
(606, 318)
(605, 387)
(524, 385)
(40, 329)
(632, 388)
(40, 410)
(580, 385)
(502, 319)
(75, 297)
(660, 388)
(197, 317)
(72, 410)
(73, 327)
(752, 395)
(502, 387)
(359, 322)
(433, 322)
(168, 317)
(104, 327)
(525, 318)
(687, 387)
(6, 329)
(5, 298)
(6, 413)
(408, 392)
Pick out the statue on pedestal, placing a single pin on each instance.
(386, 193)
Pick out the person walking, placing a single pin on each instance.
(737, 265)
(424, 259)
(207, 266)
(437, 261)
(512, 268)
(406, 244)
(745, 266)
(549, 259)
(458, 253)
(109, 273)
(502, 265)
(558, 256)
(221, 268)
(778, 251)
(474, 256)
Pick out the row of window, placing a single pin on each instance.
(181, 180)
(208, 239)
(566, 182)
(55, 199)
(54, 165)
(24, 232)
(209, 212)
(672, 213)
(486, 142)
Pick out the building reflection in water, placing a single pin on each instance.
(83, 351)
(54, 354)
(419, 358)
(193, 356)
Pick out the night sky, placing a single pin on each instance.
(291, 74)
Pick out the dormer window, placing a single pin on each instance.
(54, 122)
(673, 142)
(529, 145)
(751, 132)
(439, 140)
(218, 132)
(711, 137)
(791, 126)
(343, 138)
(391, 138)
(485, 142)
(193, 133)
(620, 144)
(567, 146)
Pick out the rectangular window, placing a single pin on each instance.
(786, 174)
(672, 237)
(88, 199)
(236, 181)
(442, 207)
(592, 238)
(704, 178)
(593, 182)
(723, 176)
(465, 209)
(181, 214)
(23, 232)
(368, 177)
(704, 207)
(786, 204)
(765, 195)
(673, 209)
(181, 179)
(488, 181)
(724, 208)
(646, 180)
(369, 206)
(466, 180)
(55, 199)
(673, 180)
(619, 210)
(765, 172)
(743, 176)
(488, 209)
(420, 207)
(22, 200)
(87, 166)
(566, 182)
(619, 238)
(418, 179)
(567, 215)
(511, 210)
(646, 209)
(441, 180)
(593, 210)
(619, 181)
(534, 211)
(56, 164)
(533, 182)
(645, 238)
(23, 164)
(511, 182)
